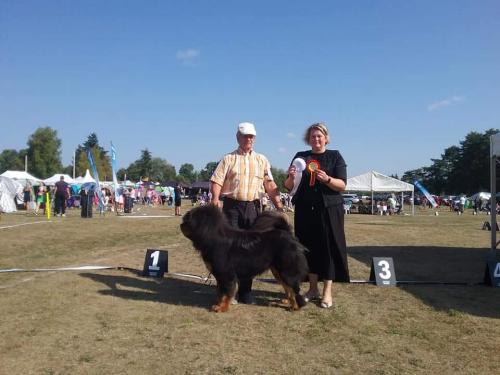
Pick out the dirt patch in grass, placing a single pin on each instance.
(117, 321)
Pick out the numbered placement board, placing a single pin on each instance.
(155, 263)
(382, 272)
(492, 273)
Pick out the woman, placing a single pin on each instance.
(319, 213)
(27, 195)
(40, 197)
(178, 199)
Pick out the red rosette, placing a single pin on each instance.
(313, 166)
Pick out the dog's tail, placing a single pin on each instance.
(270, 220)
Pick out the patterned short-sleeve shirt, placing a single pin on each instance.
(242, 175)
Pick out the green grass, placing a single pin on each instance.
(116, 322)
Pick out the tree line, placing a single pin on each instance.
(460, 169)
(44, 160)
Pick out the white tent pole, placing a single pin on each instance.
(371, 187)
(493, 208)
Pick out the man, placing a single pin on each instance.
(241, 178)
(62, 193)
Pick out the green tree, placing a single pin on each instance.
(44, 152)
(412, 175)
(208, 171)
(438, 174)
(121, 174)
(472, 170)
(101, 158)
(187, 173)
(11, 160)
(461, 169)
(161, 170)
(144, 163)
(279, 176)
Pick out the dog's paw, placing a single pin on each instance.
(220, 308)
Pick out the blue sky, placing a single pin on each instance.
(396, 82)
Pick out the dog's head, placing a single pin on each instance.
(201, 221)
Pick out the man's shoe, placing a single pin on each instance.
(63, 215)
(247, 299)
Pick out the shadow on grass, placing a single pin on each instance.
(441, 265)
(169, 290)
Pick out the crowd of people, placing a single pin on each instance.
(62, 196)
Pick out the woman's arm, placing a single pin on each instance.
(336, 184)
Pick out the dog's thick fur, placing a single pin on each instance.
(231, 253)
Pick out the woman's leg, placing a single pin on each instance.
(327, 292)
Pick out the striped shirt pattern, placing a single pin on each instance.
(242, 176)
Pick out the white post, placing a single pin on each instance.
(493, 208)
(74, 163)
(26, 163)
(494, 154)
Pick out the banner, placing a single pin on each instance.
(424, 191)
(113, 168)
(96, 178)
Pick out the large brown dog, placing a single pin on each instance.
(231, 253)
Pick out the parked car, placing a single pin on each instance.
(353, 198)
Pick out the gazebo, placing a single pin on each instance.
(377, 182)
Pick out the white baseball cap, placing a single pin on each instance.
(246, 128)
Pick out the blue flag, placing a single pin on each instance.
(96, 178)
(424, 191)
(113, 168)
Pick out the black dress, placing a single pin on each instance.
(319, 218)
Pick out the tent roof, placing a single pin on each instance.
(21, 176)
(52, 180)
(375, 181)
(84, 179)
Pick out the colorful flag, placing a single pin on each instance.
(113, 168)
(424, 191)
(96, 178)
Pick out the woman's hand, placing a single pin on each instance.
(289, 182)
(322, 176)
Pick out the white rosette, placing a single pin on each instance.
(300, 165)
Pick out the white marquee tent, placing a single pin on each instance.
(84, 179)
(22, 177)
(9, 190)
(52, 180)
(377, 182)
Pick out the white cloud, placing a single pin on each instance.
(291, 135)
(188, 56)
(282, 150)
(444, 103)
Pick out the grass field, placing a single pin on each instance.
(117, 322)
